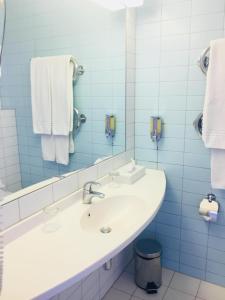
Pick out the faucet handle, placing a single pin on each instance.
(88, 185)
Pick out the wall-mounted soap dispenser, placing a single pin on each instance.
(110, 126)
(156, 129)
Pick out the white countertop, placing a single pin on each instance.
(40, 265)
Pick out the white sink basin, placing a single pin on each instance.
(115, 212)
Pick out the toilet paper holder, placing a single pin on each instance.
(212, 197)
(209, 214)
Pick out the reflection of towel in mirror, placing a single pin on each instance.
(41, 96)
(52, 108)
(56, 148)
(213, 133)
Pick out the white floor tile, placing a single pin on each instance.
(125, 283)
(144, 296)
(114, 294)
(172, 294)
(166, 276)
(185, 284)
(209, 291)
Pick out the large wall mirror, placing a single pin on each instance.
(96, 37)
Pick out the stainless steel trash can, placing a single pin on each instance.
(148, 270)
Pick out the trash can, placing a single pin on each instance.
(148, 270)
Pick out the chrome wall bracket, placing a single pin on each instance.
(203, 61)
(79, 119)
(198, 123)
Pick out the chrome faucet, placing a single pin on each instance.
(88, 192)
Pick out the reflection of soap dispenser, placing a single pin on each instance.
(110, 126)
(156, 129)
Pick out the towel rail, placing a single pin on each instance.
(78, 69)
(203, 63)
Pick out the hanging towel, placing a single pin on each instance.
(61, 74)
(214, 113)
(213, 133)
(217, 168)
(56, 148)
(41, 96)
(48, 147)
(52, 109)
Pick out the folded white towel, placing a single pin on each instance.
(41, 96)
(213, 133)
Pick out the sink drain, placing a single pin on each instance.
(106, 229)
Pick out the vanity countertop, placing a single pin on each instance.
(39, 265)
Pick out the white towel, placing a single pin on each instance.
(213, 133)
(61, 74)
(41, 96)
(218, 168)
(214, 113)
(56, 148)
(52, 108)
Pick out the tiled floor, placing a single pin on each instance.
(175, 286)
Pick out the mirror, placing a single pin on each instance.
(2, 25)
(96, 37)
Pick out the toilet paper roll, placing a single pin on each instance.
(209, 210)
(213, 215)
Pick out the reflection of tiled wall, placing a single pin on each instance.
(170, 37)
(9, 157)
(96, 38)
(130, 77)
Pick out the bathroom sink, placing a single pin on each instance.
(88, 237)
(112, 212)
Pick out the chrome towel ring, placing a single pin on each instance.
(203, 61)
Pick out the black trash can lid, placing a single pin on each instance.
(148, 248)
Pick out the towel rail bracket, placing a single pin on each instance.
(79, 119)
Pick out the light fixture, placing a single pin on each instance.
(118, 4)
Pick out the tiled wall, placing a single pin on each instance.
(130, 77)
(9, 156)
(170, 36)
(96, 285)
(96, 38)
